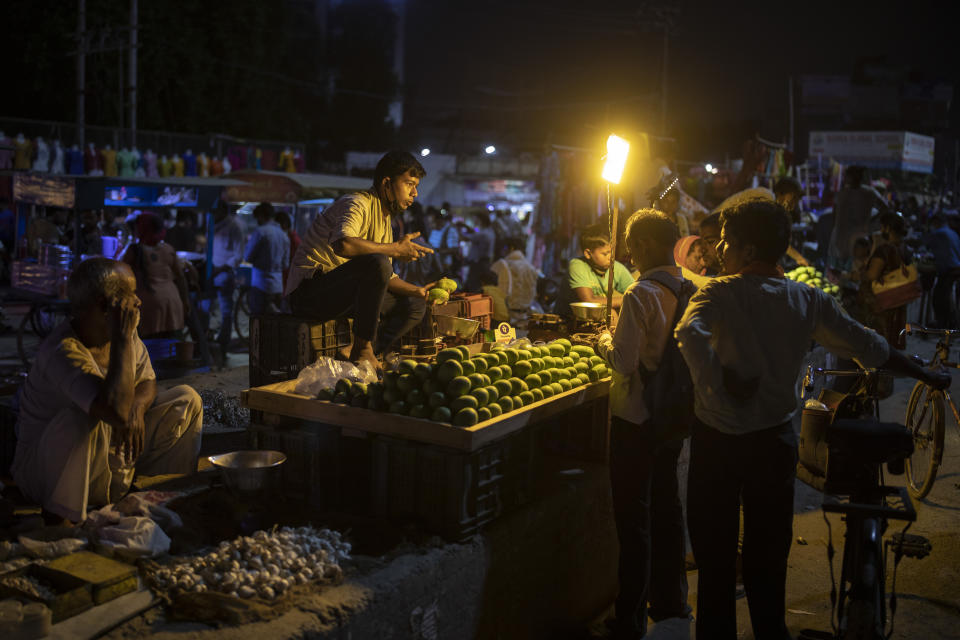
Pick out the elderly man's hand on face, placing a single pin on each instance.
(125, 317)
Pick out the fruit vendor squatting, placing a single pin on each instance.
(344, 264)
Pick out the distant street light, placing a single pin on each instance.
(424, 152)
(490, 149)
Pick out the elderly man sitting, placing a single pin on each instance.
(90, 414)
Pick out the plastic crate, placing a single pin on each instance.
(161, 348)
(475, 305)
(282, 345)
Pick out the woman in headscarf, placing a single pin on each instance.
(160, 282)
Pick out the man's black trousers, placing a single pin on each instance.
(649, 519)
(358, 288)
(760, 469)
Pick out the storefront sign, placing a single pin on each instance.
(263, 188)
(876, 149)
(49, 191)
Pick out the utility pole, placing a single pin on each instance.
(81, 67)
(132, 71)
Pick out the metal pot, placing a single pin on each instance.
(593, 311)
(248, 470)
(456, 327)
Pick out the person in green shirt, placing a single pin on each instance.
(587, 275)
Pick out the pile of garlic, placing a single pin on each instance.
(263, 565)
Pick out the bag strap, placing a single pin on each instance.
(675, 287)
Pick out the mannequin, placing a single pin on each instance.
(75, 161)
(91, 161)
(150, 164)
(216, 167)
(203, 165)
(57, 166)
(166, 167)
(125, 163)
(298, 161)
(138, 168)
(227, 167)
(177, 163)
(189, 163)
(22, 152)
(6, 152)
(109, 156)
(286, 161)
(42, 161)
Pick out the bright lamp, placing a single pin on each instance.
(617, 150)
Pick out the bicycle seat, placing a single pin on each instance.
(870, 441)
(844, 456)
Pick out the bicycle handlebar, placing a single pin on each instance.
(813, 372)
(912, 328)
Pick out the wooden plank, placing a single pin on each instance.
(278, 399)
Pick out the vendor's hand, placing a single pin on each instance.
(737, 387)
(131, 442)
(406, 249)
(421, 292)
(937, 379)
(125, 317)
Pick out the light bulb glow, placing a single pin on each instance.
(490, 149)
(425, 152)
(617, 150)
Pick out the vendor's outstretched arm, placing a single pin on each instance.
(400, 287)
(404, 249)
(584, 294)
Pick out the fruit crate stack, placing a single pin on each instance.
(282, 345)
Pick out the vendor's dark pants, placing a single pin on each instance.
(649, 519)
(760, 469)
(359, 288)
(943, 308)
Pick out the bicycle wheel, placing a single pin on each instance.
(865, 612)
(925, 422)
(241, 314)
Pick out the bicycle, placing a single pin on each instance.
(842, 449)
(925, 417)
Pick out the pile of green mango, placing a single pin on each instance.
(814, 278)
(463, 389)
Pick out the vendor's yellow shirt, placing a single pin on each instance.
(358, 215)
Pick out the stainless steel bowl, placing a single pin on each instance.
(589, 311)
(248, 470)
(456, 327)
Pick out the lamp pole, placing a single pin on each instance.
(614, 211)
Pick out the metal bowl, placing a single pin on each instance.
(456, 327)
(589, 311)
(248, 470)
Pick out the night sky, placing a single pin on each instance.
(729, 62)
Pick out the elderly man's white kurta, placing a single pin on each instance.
(64, 458)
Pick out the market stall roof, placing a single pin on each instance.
(90, 192)
(282, 187)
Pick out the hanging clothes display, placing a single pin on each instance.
(237, 158)
(216, 167)
(165, 167)
(268, 160)
(203, 165)
(189, 163)
(75, 161)
(92, 162)
(6, 152)
(299, 162)
(22, 153)
(177, 164)
(57, 163)
(125, 163)
(41, 161)
(150, 164)
(109, 159)
(286, 161)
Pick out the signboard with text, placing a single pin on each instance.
(901, 150)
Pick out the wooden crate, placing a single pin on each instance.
(278, 398)
(282, 345)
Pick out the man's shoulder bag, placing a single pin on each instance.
(668, 390)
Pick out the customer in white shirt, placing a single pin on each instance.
(229, 238)
(517, 278)
(643, 457)
(744, 337)
(268, 251)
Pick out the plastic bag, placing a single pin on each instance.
(137, 536)
(324, 373)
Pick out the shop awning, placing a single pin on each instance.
(93, 192)
(289, 188)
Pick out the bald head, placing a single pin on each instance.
(99, 279)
